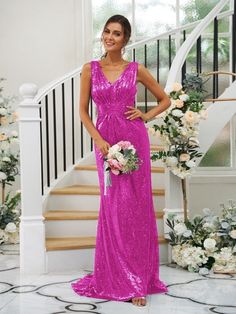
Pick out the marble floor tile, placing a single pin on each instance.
(51, 293)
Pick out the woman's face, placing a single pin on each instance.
(113, 37)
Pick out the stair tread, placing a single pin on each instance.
(156, 147)
(93, 167)
(72, 243)
(90, 190)
(80, 214)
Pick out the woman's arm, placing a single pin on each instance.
(145, 77)
(85, 87)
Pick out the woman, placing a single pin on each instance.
(126, 258)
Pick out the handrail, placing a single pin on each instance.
(47, 88)
(218, 72)
(189, 42)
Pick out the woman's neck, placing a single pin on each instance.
(114, 59)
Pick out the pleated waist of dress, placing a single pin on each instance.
(111, 113)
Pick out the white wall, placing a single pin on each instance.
(39, 40)
(210, 191)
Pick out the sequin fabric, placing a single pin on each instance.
(126, 261)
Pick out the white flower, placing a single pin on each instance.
(224, 225)
(203, 271)
(177, 113)
(176, 87)
(10, 227)
(4, 145)
(18, 191)
(3, 111)
(6, 159)
(184, 97)
(233, 234)
(207, 225)
(190, 163)
(209, 244)
(112, 151)
(191, 117)
(3, 236)
(187, 233)
(171, 161)
(3, 176)
(184, 157)
(180, 228)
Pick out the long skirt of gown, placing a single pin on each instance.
(126, 260)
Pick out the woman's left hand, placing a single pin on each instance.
(135, 113)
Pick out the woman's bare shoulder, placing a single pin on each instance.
(86, 69)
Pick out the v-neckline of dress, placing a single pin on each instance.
(119, 77)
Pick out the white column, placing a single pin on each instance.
(173, 198)
(32, 230)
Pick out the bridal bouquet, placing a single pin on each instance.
(121, 158)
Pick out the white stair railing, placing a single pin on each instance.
(173, 195)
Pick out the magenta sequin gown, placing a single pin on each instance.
(126, 261)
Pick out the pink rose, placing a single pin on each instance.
(114, 164)
(184, 157)
(179, 103)
(124, 144)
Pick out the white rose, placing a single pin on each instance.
(6, 159)
(3, 111)
(209, 244)
(190, 164)
(171, 161)
(10, 227)
(180, 228)
(203, 271)
(177, 113)
(191, 117)
(4, 145)
(3, 236)
(233, 234)
(2, 176)
(184, 157)
(187, 233)
(184, 97)
(176, 87)
(112, 150)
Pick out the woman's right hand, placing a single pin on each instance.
(103, 146)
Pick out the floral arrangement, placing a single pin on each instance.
(121, 158)
(179, 126)
(9, 219)
(9, 161)
(206, 241)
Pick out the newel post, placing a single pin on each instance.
(32, 229)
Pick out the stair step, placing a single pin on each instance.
(94, 168)
(73, 243)
(80, 214)
(156, 148)
(90, 190)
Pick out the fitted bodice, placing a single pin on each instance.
(112, 98)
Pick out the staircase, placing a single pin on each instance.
(72, 215)
(59, 231)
